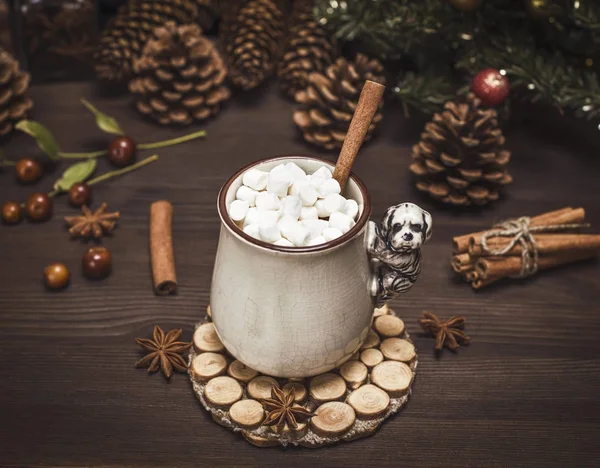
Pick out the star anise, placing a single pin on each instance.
(449, 333)
(164, 352)
(92, 224)
(282, 409)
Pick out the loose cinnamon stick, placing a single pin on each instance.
(568, 215)
(368, 102)
(462, 263)
(489, 270)
(546, 243)
(161, 248)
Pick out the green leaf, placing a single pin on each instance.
(43, 137)
(78, 172)
(105, 122)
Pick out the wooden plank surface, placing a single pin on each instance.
(525, 393)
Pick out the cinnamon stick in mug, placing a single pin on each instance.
(568, 215)
(161, 248)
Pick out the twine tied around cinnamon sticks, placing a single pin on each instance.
(523, 246)
(521, 232)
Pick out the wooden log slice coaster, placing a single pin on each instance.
(223, 391)
(333, 418)
(398, 349)
(327, 387)
(355, 373)
(371, 357)
(247, 413)
(389, 326)
(206, 339)
(299, 391)
(349, 402)
(260, 387)
(392, 376)
(369, 401)
(240, 371)
(205, 366)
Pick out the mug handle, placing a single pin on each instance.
(394, 250)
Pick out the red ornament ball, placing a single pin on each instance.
(490, 86)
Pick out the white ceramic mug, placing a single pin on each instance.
(301, 311)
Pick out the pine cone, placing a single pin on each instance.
(14, 83)
(460, 158)
(179, 77)
(123, 40)
(328, 102)
(252, 43)
(309, 49)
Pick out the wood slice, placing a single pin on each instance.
(355, 356)
(398, 349)
(260, 387)
(259, 441)
(371, 357)
(206, 339)
(327, 387)
(299, 390)
(389, 326)
(355, 373)
(383, 310)
(300, 431)
(371, 341)
(205, 366)
(222, 391)
(240, 371)
(247, 413)
(369, 401)
(333, 419)
(392, 376)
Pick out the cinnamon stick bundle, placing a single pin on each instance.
(161, 248)
(481, 267)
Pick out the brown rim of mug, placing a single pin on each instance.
(364, 217)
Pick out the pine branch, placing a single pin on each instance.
(426, 93)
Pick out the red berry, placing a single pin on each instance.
(28, 170)
(11, 212)
(56, 275)
(490, 86)
(38, 206)
(80, 194)
(96, 262)
(121, 151)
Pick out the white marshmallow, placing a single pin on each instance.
(286, 225)
(308, 212)
(266, 201)
(279, 181)
(298, 184)
(283, 242)
(350, 208)
(323, 172)
(298, 235)
(308, 195)
(268, 217)
(341, 221)
(334, 202)
(246, 193)
(238, 209)
(253, 230)
(252, 217)
(321, 211)
(315, 227)
(331, 233)
(291, 206)
(316, 182)
(317, 240)
(329, 187)
(269, 232)
(255, 179)
(295, 171)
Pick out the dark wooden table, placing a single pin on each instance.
(525, 393)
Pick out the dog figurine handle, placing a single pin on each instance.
(394, 248)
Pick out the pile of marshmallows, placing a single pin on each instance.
(287, 207)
